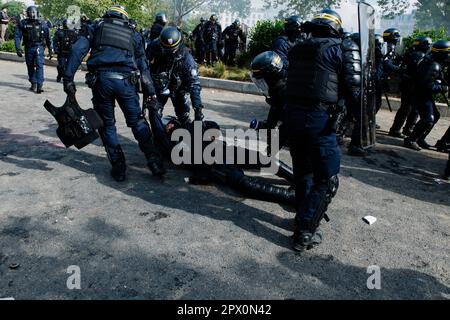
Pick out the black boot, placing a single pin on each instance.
(154, 159)
(33, 87)
(423, 144)
(118, 162)
(306, 237)
(442, 146)
(411, 144)
(396, 134)
(356, 151)
(39, 89)
(58, 79)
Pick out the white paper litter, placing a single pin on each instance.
(370, 220)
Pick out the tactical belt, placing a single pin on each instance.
(116, 75)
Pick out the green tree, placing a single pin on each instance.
(303, 8)
(429, 13)
(15, 8)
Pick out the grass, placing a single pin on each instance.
(221, 71)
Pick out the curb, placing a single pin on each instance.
(219, 84)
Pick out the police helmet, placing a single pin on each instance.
(265, 69)
(292, 25)
(440, 51)
(330, 19)
(133, 24)
(423, 44)
(161, 18)
(346, 36)
(213, 18)
(202, 20)
(356, 38)
(392, 36)
(170, 40)
(32, 13)
(117, 11)
(237, 23)
(65, 24)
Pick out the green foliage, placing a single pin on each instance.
(435, 34)
(221, 71)
(263, 35)
(15, 8)
(11, 30)
(303, 8)
(8, 46)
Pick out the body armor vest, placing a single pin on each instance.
(114, 33)
(428, 71)
(33, 32)
(310, 80)
(68, 38)
(168, 75)
(212, 31)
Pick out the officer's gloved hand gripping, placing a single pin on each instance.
(69, 88)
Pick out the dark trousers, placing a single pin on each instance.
(106, 92)
(315, 151)
(200, 52)
(429, 116)
(404, 111)
(181, 104)
(62, 62)
(34, 58)
(230, 53)
(211, 51)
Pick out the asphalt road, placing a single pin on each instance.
(165, 239)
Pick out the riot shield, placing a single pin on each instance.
(366, 15)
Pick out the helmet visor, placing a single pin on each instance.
(261, 84)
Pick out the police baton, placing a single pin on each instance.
(387, 100)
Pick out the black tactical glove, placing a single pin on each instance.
(69, 88)
(199, 114)
(19, 53)
(151, 104)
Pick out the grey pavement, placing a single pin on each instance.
(165, 239)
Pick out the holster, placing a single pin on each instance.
(91, 79)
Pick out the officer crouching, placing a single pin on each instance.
(322, 70)
(116, 64)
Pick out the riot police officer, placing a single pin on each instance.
(197, 34)
(322, 70)
(427, 82)
(116, 64)
(269, 76)
(35, 34)
(212, 34)
(391, 61)
(158, 26)
(232, 35)
(62, 43)
(175, 75)
(411, 59)
(292, 35)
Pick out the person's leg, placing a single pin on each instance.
(40, 61)
(325, 160)
(402, 114)
(182, 108)
(411, 122)
(31, 66)
(426, 123)
(104, 104)
(128, 100)
(436, 117)
(443, 145)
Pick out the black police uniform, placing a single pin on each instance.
(199, 42)
(232, 34)
(322, 70)
(212, 34)
(426, 85)
(175, 78)
(117, 57)
(35, 34)
(411, 60)
(62, 44)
